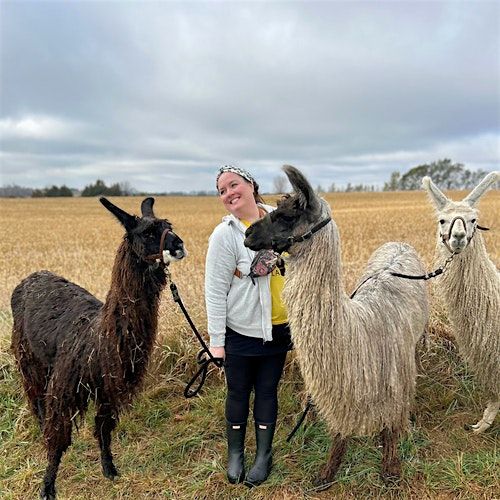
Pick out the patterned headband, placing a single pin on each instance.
(235, 170)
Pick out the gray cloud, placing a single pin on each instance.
(158, 94)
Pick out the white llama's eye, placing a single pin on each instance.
(442, 221)
(473, 221)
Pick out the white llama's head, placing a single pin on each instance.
(458, 219)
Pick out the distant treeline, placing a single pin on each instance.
(99, 188)
(52, 192)
(444, 173)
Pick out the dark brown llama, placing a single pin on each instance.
(71, 348)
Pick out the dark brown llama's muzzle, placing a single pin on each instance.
(171, 248)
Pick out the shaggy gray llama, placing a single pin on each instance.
(470, 288)
(357, 356)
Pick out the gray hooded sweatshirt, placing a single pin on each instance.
(231, 301)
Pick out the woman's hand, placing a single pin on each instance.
(217, 352)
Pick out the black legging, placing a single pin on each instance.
(261, 373)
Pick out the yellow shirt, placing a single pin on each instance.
(279, 313)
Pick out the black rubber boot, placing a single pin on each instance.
(261, 468)
(235, 452)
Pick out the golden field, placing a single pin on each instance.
(77, 238)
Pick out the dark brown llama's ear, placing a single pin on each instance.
(307, 196)
(128, 221)
(147, 207)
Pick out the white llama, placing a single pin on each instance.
(357, 356)
(470, 287)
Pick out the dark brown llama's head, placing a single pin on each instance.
(297, 214)
(151, 239)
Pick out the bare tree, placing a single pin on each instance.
(280, 184)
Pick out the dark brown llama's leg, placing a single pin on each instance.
(391, 463)
(57, 433)
(34, 378)
(104, 425)
(337, 451)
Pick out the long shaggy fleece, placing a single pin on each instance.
(471, 291)
(357, 356)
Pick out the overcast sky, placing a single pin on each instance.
(159, 94)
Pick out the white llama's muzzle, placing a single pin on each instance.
(457, 239)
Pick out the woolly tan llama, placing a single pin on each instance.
(71, 348)
(470, 288)
(357, 356)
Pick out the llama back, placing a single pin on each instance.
(357, 396)
(43, 305)
(379, 291)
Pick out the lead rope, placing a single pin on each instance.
(428, 276)
(440, 270)
(309, 405)
(200, 358)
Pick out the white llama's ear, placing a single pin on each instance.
(435, 194)
(301, 186)
(473, 197)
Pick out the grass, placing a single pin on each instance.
(168, 447)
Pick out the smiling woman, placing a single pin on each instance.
(247, 323)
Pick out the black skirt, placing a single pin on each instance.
(242, 345)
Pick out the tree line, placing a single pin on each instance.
(99, 188)
(444, 173)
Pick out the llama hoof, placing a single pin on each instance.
(48, 493)
(109, 471)
(390, 478)
(478, 428)
(322, 484)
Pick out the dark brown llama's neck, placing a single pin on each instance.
(130, 313)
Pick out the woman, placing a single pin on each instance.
(247, 324)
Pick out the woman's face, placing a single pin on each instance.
(235, 193)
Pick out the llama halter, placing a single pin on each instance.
(446, 237)
(283, 244)
(163, 256)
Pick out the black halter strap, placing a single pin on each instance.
(284, 245)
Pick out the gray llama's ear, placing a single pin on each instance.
(128, 221)
(473, 197)
(435, 194)
(301, 186)
(147, 207)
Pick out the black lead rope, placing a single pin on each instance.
(439, 270)
(309, 405)
(425, 277)
(200, 358)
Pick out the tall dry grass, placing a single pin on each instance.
(77, 238)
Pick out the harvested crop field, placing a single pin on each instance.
(168, 447)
